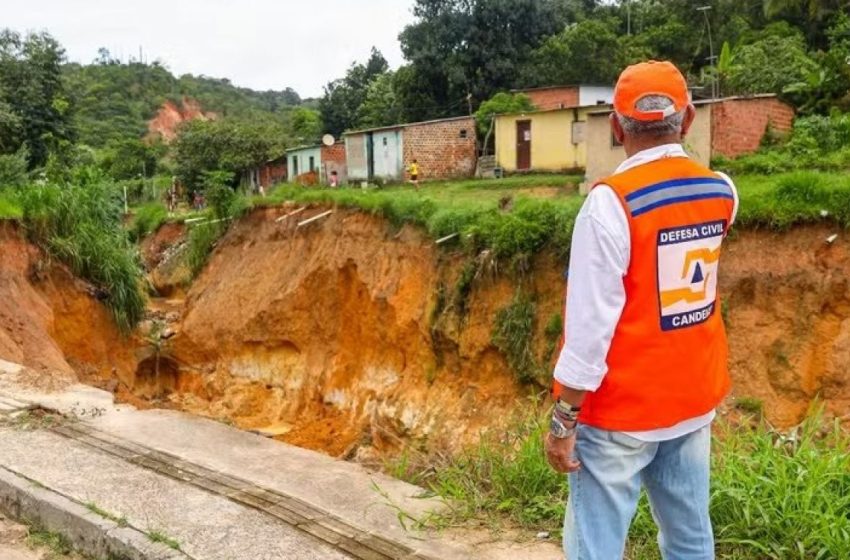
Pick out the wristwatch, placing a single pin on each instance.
(561, 431)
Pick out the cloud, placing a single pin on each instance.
(262, 44)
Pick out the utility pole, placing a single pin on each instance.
(711, 57)
(469, 102)
(628, 17)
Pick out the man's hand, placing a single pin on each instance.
(559, 453)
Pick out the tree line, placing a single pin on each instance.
(460, 53)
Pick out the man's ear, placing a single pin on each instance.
(690, 115)
(616, 128)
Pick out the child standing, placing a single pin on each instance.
(414, 173)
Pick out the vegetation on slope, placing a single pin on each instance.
(80, 224)
(773, 495)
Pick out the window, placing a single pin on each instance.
(385, 140)
(312, 164)
(463, 133)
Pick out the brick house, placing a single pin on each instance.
(738, 124)
(265, 175)
(727, 127)
(566, 97)
(317, 161)
(444, 148)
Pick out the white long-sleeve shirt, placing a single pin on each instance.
(599, 259)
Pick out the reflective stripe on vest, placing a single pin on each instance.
(667, 360)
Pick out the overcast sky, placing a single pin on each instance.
(261, 44)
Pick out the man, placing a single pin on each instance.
(644, 361)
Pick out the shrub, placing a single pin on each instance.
(513, 334)
(81, 226)
(202, 239)
(147, 220)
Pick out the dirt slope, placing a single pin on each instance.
(325, 336)
(49, 321)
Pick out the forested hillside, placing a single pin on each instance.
(114, 101)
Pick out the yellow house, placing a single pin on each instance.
(553, 140)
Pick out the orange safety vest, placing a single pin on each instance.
(668, 357)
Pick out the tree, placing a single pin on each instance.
(343, 97)
(458, 48)
(130, 158)
(306, 125)
(381, 106)
(227, 145)
(34, 108)
(591, 51)
(769, 65)
(808, 14)
(498, 104)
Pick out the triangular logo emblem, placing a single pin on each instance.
(698, 277)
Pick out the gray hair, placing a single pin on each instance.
(669, 125)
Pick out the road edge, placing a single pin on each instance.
(28, 501)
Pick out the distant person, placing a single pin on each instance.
(334, 181)
(414, 173)
(198, 201)
(172, 196)
(644, 364)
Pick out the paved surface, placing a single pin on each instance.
(223, 493)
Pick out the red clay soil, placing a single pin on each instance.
(50, 321)
(326, 336)
(155, 246)
(170, 116)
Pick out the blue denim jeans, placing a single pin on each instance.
(604, 494)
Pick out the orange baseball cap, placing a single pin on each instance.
(650, 78)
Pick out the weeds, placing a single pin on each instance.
(81, 226)
(10, 208)
(160, 537)
(773, 496)
(56, 543)
(513, 333)
(147, 220)
(202, 240)
(120, 521)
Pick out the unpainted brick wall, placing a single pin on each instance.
(738, 125)
(554, 98)
(333, 159)
(273, 172)
(440, 150)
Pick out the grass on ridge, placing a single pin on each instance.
(540, 213)
(10, 208)
(773, 496)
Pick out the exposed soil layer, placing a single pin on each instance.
(350, 337)
(51, 322)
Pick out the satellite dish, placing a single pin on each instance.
(328, 140)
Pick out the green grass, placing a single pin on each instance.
(160, 537)
(773, 496)
(147, 219)
(10, 207)
(201, 241)
(506, 216)
(510, 218)
(82, 227)
(56, 544)
(121, 521)
(513, 334)
(788, 199)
